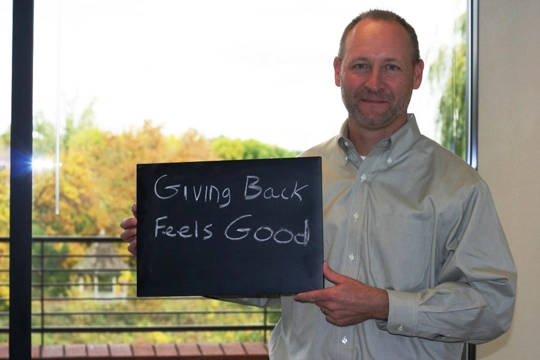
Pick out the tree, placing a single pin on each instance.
(74, 126)
(55, 259)
(80, 211)
(4, 201)
(97, 176)
(228, 149)
(4, 231)
(449, 70)
(235, 149)
(4, 182)
(191, 146)
(44, 136)
(79, 206)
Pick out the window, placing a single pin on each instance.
(162, 80)
(194, 72)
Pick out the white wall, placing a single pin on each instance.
(509, 154)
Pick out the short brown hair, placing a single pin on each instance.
(383, 15)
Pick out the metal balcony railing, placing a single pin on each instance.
(84, 291)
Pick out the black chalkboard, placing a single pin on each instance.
(239, 228)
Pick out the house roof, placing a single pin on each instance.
(102, 257)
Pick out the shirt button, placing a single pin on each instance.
(400, 328)
(346, 143)
(344, 340)
(389, 161)
(351, 257)
(363, 177)
(355, 216)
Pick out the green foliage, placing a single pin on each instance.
(228, 149)
(76, 126)
(174, 311)
(44, 136)
(54, 260)
(97, 187)
(4, 201)
(235, 149)
(449, 71)
(5, 139)
(98, 169)
(4, 278)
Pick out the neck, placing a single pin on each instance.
(365, 138)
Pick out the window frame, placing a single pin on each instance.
(21, 173)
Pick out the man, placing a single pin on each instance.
(416, 260)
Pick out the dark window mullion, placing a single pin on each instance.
(20, 335)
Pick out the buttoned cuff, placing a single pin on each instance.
(402, 315)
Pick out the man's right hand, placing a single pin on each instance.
(129, 232)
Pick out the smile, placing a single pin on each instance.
(373, 102)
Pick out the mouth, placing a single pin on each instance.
(372, 99)
(373, 102)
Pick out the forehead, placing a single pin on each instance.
(371, 38)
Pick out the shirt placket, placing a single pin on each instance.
(350, 266)
(355, 232)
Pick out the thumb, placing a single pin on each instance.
(331, 275)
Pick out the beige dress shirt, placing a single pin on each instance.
(414, 219)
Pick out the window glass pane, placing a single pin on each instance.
(188, 73)
(239, 68)
(121, 82)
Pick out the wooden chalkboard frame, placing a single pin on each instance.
(193, 221)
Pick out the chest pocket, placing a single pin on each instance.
(399, 251)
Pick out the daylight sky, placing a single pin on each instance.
(239, 68)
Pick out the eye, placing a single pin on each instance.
(360, 66)
(392, 67)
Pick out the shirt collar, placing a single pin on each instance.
(397, 143)
(402, 140)
(347, 147)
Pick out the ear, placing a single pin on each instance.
(337, 71)
(418, 71)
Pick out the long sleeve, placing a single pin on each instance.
(474, 298)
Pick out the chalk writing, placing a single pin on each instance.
(201, 205)
(184, 231)
(281, 236)
(206, 193)
(252, 190)
(236, 230)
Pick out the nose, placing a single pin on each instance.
(374, 81)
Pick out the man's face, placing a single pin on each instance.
(376, 74)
